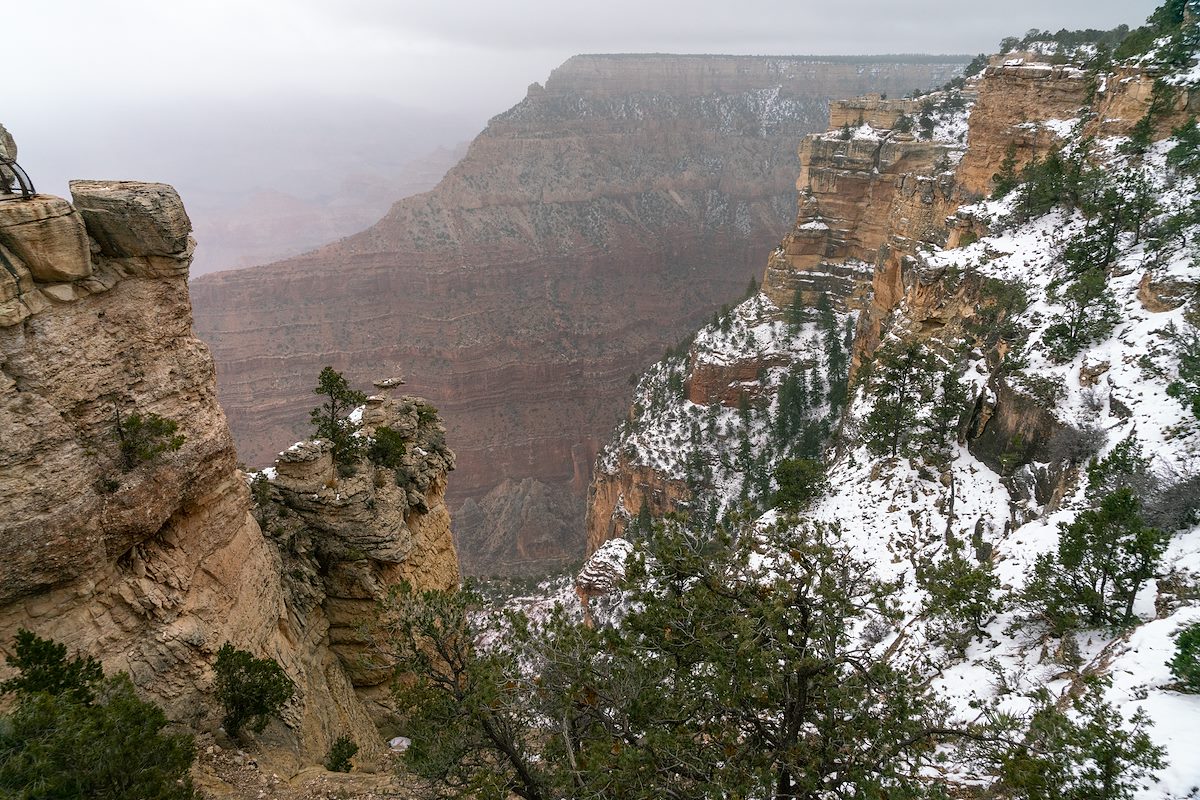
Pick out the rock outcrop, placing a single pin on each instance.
(587, 228)
(616, 496)
(140, 549)
(346, 539)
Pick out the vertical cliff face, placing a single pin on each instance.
(587, 228)
(152, 560)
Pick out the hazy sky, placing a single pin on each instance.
(464, 55)
(226, 98)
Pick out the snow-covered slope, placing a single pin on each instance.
(1034, 414)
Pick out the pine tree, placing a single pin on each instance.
(899, 385)
(797, 313)
(1087, 752)
(941, 426)
(836, 356)
(1091, 313)
(330, 418)
(1186, 388)
(1185, 666)
(1184, 155)
(800, 481)
(1006, 180)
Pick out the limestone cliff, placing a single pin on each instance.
(586, 229)
(151, 561)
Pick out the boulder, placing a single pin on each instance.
(133, 218)
(47, 234)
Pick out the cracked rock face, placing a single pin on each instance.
(47, 237)
(151, 564)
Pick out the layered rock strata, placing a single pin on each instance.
(151, 561)
(871, 198)
(587, 228)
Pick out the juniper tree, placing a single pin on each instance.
(1043, 186)
(387, 447)
(961, 595)
(735, 670)
(1103, 558)
(474, 703)
(144, 438)
(43, 668)
(72, 732)
(251, 689)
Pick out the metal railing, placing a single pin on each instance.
(11, 172)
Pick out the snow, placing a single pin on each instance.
(605, 569)
(670, 426)
(894, 513)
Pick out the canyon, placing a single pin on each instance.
(586, 229)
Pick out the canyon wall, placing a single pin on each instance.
(587, 228)
(873, 199)
(139, 547)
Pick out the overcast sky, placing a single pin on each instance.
(223, 98)
(457, 55)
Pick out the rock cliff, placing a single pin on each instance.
(345, 539)
(587, 228)
(978, 408)
(873, 198)
(135, 543)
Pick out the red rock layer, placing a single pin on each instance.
(586, 229)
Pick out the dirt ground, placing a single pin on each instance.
(229, 773)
